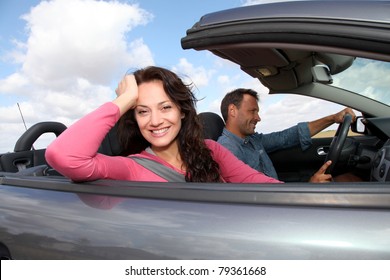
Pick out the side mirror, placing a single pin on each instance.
(359, 125)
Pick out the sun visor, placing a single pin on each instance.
(268, 65)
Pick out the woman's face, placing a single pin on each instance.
(158, 118)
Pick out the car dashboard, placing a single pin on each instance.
(381, 164)
(380, 168)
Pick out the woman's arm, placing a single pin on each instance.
(74, 152)
(234, 170)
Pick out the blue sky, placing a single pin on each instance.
(60, 59)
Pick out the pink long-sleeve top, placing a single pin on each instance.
(74, 155)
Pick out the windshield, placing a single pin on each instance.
(367, 77)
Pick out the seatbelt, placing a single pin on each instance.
(161, 170)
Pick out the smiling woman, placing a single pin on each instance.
(158, 121)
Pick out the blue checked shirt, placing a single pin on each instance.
(254, 148)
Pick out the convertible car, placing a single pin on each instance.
(331, 50)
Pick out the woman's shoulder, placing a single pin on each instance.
(211, 143)
(215, 146)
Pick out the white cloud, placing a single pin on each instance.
(69, 39)
(75, 50)
(14, 83)
(197, 75)
(16, 55)
(223, 79)
(282, 111)
(139, 54)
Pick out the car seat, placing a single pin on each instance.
(24, 155)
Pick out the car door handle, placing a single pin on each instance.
(322, 151)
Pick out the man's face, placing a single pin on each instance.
(247, 116)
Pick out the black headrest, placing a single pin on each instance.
(28, 138)
(213, 125)
(110, 145)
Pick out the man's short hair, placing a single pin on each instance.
(235, 97)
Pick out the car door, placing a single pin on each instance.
(48, 217)
(357, 155)
(295, 165)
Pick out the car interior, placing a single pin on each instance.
(282, 70)
(292, 69)
(357, 153)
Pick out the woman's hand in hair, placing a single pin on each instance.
(127, 94)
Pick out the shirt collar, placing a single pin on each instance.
(235, 137)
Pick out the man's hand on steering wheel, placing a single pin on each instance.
(339, 140)
(339, 117)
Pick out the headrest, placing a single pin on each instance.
(110, 145)
(213, 125)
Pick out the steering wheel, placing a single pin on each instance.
(338, 142)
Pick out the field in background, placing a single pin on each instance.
(324, 134)
(330, 133)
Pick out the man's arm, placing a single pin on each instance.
(320, 124)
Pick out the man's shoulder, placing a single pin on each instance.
(224, 138)
(229, 142)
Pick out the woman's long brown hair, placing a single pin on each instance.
(196, 156)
